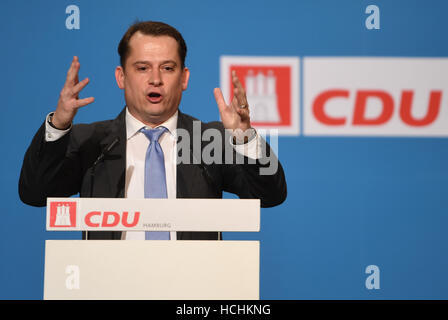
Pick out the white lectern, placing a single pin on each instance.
(134, 269)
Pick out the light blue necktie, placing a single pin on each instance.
(155, 180)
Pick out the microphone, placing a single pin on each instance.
(106, 151)
(97, 161)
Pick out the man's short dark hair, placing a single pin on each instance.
(151, 28)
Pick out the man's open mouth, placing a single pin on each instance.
(154, 97)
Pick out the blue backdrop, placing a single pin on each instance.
(352, 202)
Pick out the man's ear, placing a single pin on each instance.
(185, 77)
(119, 76)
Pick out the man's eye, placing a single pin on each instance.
(141, 68)
(168, 68)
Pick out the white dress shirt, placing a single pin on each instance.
(137, 144)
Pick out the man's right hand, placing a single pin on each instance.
(69, 102)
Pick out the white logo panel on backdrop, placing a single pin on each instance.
(375, 96)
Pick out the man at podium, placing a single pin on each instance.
(149, 150)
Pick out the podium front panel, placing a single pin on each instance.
(151, 270)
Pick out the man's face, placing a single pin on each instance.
(153, 79)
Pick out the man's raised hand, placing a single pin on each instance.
(69, 102)
(235, 115)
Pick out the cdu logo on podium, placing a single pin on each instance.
(63, 214)
(272, 90)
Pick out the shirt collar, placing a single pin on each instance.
(134, 125)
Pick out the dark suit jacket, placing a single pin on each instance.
(64, 168)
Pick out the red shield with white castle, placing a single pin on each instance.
(63, 214)
(272, 90)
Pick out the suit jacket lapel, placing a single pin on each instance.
(187, 174)
(115, 160)
(182, 173)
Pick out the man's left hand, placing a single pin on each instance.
(236, 115)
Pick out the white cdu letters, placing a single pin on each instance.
(72, 21)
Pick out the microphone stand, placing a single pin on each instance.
(92, 172)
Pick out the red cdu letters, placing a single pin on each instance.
(431, 114)
(319, 105)
(387, 108)
(361, 104)
(111, 219)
